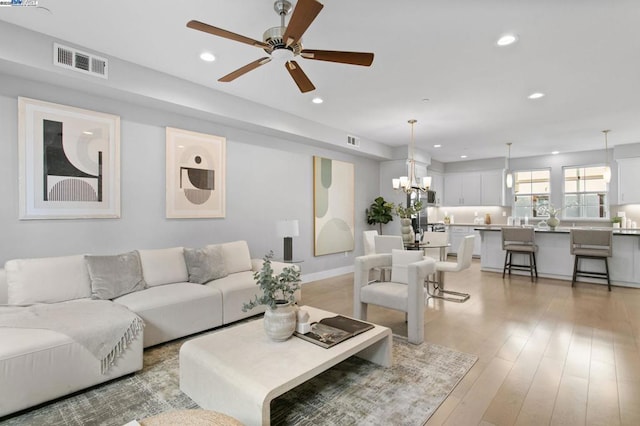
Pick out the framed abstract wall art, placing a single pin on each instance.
(333, 206)
(69, 162)
(195, 174)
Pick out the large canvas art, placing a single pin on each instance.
(333, 206)
(69, 162)
(195, 174)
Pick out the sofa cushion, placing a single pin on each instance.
(205, 264)
(400, 260)
(163, 266)
(47, 280)
(236, 256)
(114, 276)
(237, 289)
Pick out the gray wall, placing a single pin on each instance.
(268, 178)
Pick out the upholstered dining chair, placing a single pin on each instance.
(404, 292)
(369, 241)
(463, 261)
(591, 244)
(521, 241)
(385, 244)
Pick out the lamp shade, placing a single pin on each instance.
(288, 228)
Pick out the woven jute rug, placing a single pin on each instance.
(354, 392)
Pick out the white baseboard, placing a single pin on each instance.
(315, 276)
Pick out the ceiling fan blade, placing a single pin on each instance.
(243, 70)
(353, 58)
(201, 26)
(303, 15)
(301, 79)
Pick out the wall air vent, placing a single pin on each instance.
(353, 141)
(87, 63)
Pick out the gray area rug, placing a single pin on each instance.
(355, 392)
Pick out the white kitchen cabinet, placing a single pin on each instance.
(492, 188)
(628, 178)
(462, 189)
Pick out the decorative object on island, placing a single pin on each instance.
(195, 174)
(69, 162)
(607, 169)
(616, 221)
(380, 212)
(287, 229)
(411, 183)
(333, 206)
(552, 212)
(509, 175)
(487, 219)
(279, 297)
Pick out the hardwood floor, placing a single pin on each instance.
(548, 354)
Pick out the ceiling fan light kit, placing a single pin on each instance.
(284, 43)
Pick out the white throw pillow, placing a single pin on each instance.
(163, 266)
(236, 256)
(47, 280)
(400, 259)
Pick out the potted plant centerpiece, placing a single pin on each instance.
(616, 221)
(278, 294)
(552, 212)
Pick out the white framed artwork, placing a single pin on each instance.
(196, 177)
(69, 162)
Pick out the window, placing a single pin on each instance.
(532, 189)
(585, 192)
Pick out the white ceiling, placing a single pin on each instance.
(584, 54)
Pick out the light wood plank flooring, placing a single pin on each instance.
(548, 354)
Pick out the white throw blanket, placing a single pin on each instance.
(104, 328)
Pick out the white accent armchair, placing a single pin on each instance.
(406, 296)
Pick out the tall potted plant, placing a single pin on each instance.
(379, 213)
(278, 294)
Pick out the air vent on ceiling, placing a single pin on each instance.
(87, 63)
(353, 141)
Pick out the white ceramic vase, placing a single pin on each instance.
(553, 222)
(406, 230)
(280, 323)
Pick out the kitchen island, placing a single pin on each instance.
(555, 260)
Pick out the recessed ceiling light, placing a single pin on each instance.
(207, 57)
(317, 100)
(555, 152)
(536, 95)
(437, 146)
(463, 156)
(507, 39)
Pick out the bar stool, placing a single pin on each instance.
(519, 240)
(591, 244)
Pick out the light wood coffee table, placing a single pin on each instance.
(238, 370)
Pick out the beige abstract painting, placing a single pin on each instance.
(333, 206)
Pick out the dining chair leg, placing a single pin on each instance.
(535, 264)
(575, 270)
(606, 266)
(531, 265)
(506, 254)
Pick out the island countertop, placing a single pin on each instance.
(564, 229)
(555, 260)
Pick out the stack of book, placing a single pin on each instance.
(329, 332)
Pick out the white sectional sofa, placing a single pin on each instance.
(37, 365)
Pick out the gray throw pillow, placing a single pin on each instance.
(114, 276)
(205, 264)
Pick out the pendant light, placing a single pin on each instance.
(607, 169)
(509, 176)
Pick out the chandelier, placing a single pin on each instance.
(410, 183)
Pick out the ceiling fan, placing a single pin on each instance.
(285, 43)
